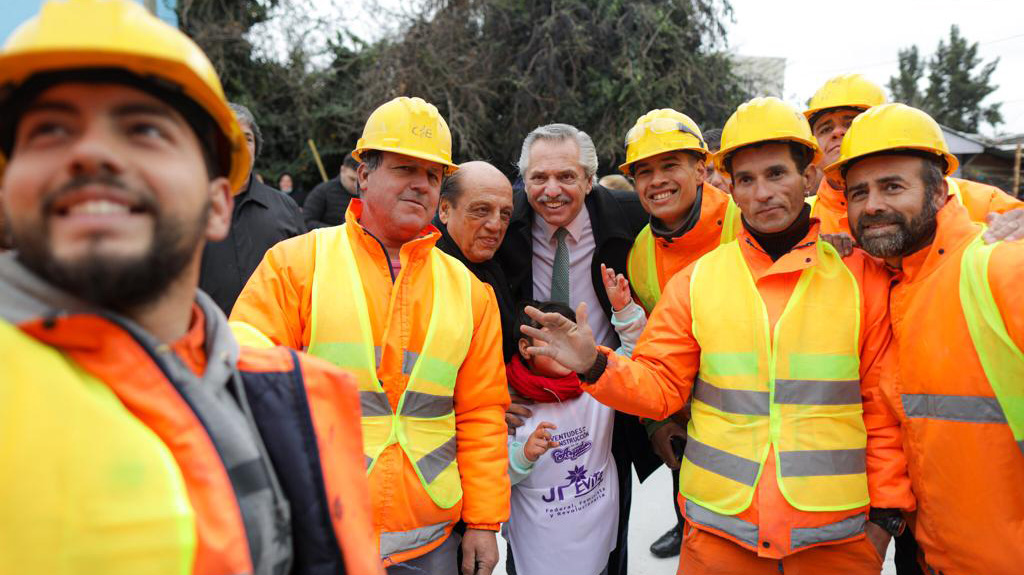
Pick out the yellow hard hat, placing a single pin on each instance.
(660, 131)
(891, 127)
(120, 34)
(764, 120)
(408, 126)
(845, 91)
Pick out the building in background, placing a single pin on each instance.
(990, 161)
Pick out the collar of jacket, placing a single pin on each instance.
(413, 250)
(953, 230)
(257, 192)
(607, 218)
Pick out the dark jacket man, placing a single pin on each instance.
(616, 219)
(262, 217)
(326, 204)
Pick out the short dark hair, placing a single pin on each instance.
(713, 138)
(450, 188)
(350, 161)
(801, 154)
(245, 115)
(546, 307)
(371, 159)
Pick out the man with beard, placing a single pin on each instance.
(135, 437)
(667, 158)
(421, 334)
(958, 327)
(782, 345)
(830, 112)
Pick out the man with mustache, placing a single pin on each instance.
(563, 228)
(473, 216)
(958, 327)
(782, 345)
(421, 334)
(135, 436)
(666, 156)
(830, 112)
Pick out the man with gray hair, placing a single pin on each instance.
(564, 227)
(261, 217)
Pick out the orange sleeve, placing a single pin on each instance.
(277, 298)
(983, 199)
(481, 398)
(1006, 276)
(657, 381)
(888, 476)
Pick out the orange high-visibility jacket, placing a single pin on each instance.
(980, 200)
(111, 354)
(277, 300)
(966, 469)
(659, 380)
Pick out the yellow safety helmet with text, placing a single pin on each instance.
(660, 131)
(408, 126)
(887, 128)
(845, 91)
(764, 120)
(76, 35)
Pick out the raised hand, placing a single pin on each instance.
(617, 288)
(570, 344)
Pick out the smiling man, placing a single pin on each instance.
(421, 334)
(781, 345)
(473, 216)
(136, 436)
(956, 309)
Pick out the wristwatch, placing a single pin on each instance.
(889, 519)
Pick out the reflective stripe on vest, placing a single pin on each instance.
(799, 537)
(392, 542)
(1000, 357)
(800, 395)
(642, 264)
(424, 425)
(86, 486)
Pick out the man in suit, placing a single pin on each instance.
(563, 228)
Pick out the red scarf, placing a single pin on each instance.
(539, 388)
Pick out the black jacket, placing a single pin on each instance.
(616, 218)
(262, 217)
(326, 204)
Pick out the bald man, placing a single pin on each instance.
(473, 216)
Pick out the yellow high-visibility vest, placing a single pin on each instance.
(1000, 357)
(642, 264)
(424, 425)
(797, 390)
(85, 487)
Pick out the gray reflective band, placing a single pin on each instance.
(367, 460)
(374, 403)
(418, 404)
(738, 401)
(376, 356)
(815, 462)
(849, 527)
(392, 542)
(725, 464)
(408, 361)
(965, 408)
(738, 528)
(432, 464)
(811, 392)
(1020, 444)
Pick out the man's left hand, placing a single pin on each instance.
(479, 552)
(1008, 226)
(878, 537)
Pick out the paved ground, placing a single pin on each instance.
(651, 516)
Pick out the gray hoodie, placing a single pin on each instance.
(217, 398)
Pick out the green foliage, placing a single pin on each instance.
(955, 91)
(496, 69)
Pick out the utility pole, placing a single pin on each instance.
(1016, 171)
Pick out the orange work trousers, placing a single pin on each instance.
(705, 553)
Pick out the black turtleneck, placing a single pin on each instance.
(660, 231)
(778, 244)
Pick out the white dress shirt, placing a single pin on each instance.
(582, 246)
